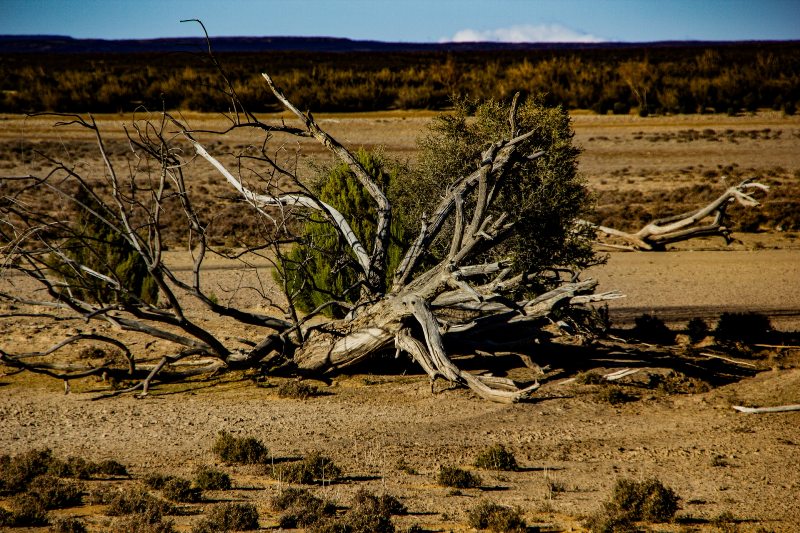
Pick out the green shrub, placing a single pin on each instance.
(321, 268)
(211, 479)
(102, 249)
(633, 501)
(229, 517)
(496, 457)
(743, 327)
(498, 518)
(68, 525)
(452, 476)
(181, 490)
(301, 508)
(314, 468)
(244, 450)
(56, 493)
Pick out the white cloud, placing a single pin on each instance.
(525, 33)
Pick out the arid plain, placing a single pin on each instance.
(389, 432)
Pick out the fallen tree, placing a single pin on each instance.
(496, 254)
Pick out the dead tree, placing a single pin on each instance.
(467, 294)
(708, 220)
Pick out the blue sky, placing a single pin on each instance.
(412, 20)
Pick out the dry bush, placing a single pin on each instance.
(458, 478)
(141, 523)
(633, 501)
(56, 493)
(135, 500)
(229, 517)
(181, 490)
(297, 390)
(650, 328)
(207, 478)
(697, 329)
(313, 468)
(156, 481)
(68, 525)
(590, 377)
(615, 395)
(743, 327)
(497, 518)
(26, 510)
(301, 508)
(18, 471)
(244, 450)
(496, 457)
(679, 383)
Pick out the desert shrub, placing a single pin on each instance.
(321, 267)
(297, 390)
(27, 510)
(313, 468)
(615, 395)
(743, 327)
(56, 493)
(679, 383)
(301, 508)
(245, 450)
(697, 329)
(545, 196)
(156, 481)
(498, 518)
(107, 252)
(110, 467)
(18, 471)
(385, 504)
(73, 467)
(650, 328)
(141, 523)
(458, 478)
(633, 501)
(590, 378)
(6, 518)
(496, 457)
(135, 500)
(229, 517)
(367, 514)
(211, 479)
(181, 490)
(68, 525)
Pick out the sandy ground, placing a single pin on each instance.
(745, 468)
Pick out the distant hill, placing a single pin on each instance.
(37, 44)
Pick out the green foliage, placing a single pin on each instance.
(543, 197)
(99, 247)
(458, 478)
(743, 327)
(244, 450)
(497, 518)
(496, 457)
(181, 490)
(321, 267)
(314, 468)
(207, 478)
(229, 517)
(633, 501)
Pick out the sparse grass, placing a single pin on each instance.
(297, 390)
(181, 490)
(313, 468)
(229, 517)
(207, 478)
(403, 466)
(452, 476)
(497, 518)
(496, 457)
(244, 450)
(633, 501)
